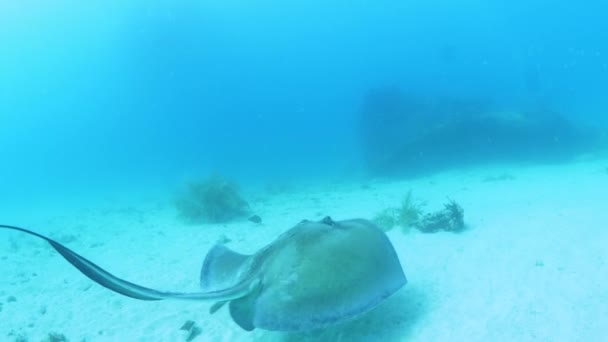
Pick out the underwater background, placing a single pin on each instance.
(121, 101)
(108, 96)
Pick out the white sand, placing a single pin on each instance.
(531, 266)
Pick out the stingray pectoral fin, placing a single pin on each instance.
(223, 268)
(121, 286)
(241, 309)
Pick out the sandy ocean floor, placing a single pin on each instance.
(532, 265)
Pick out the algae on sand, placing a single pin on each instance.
(214, 200)
(410, 215)
(410, 211)
(406, 216)
(386, 219)
(450, 219)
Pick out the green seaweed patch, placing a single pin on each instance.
(409, 212)
(410, 215)
(405, 216)
(214, 200)
(450, 218)
(386, 219)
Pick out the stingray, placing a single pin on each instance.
(316, 274)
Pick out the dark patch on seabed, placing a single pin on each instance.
(407, 134)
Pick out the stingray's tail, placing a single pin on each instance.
(110, 281)
(96, 273)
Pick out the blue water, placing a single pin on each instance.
(111, 97)
(109, 94)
